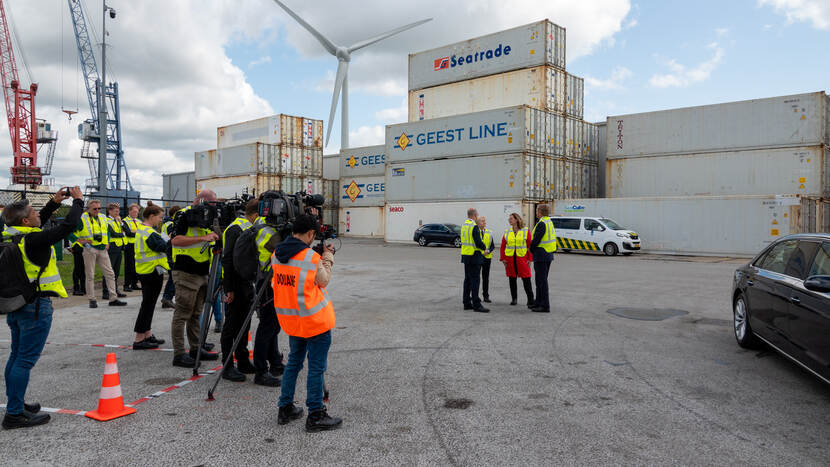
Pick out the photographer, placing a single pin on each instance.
(30, 324)
(267, 357)
(91, 233)
(191, 265)
(167, 233)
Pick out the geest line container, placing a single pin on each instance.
(541, 87)
(178, 188)
(259, 158)
(536, 44)
(359, 162)
(518, 129)
(697, 225)
(276, 129)
(362, 191)
(574, 96)
(361, 222)
(786, 121)
(753, 172)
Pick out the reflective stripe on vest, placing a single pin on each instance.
(312, 313)
(50, 280)
(88, 232)
(515, 243)
(194, 251)
(262, 237)
(146, 259)
(117, 236)
(487, 238)
(132, 224)
(468, 245)
(548, 242)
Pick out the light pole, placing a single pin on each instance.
(103, 189)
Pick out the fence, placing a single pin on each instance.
(40, 198)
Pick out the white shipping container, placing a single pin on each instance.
(574, 96)
(259, 158)
(359, 162)
(756, 172)
(330, 217)
(590, 141)
(403, 218)
(276, 129)
(331, 193)
(311, 185)
(601, 165)
(519, 129)
(230, 187)
(541, 87)
(698, 225)
(331, 167)
(536, 44)
(361, 222)
(786, 121)
(178, 188)
(362, 191)
(574, 132)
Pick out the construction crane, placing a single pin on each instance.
(103, 98)
(25, 130)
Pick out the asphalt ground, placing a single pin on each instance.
(421, 382)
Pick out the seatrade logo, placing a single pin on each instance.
(442, 63)
(445, 63)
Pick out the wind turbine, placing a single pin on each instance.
(344, 56)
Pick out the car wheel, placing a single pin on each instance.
(743, 331)
(422, 241)
(610, 249)
(457, 242)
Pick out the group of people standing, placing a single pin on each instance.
(519, 248)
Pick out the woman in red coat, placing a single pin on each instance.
(516, 257)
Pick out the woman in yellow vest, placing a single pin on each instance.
(516, 258)
(150, 266)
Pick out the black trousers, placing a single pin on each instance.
(472, 277)
(266, 351)
(514, 289)
(235, 314)
(78, 271)
(485, 278)
(541, 269)
(150, 290)
(115, 254)
(130, 277)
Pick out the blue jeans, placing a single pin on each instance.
(169, 288)
(28, 338)
(317, 348)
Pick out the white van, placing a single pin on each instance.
(594, 234)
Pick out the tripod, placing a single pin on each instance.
(213, 291)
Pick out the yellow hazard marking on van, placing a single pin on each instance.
(571, 244)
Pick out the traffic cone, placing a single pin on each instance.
(250, 348)
(111, 402)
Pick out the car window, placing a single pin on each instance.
(612, 225)
(566, 223)
(442, 228)
(454, 227)
(591, 224)
(778, 257)
(821, 265)
(801, 259)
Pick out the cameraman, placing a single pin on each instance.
(167, 233)
(191, 267)
(239, 294)
(267, 357)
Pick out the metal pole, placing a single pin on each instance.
(102, 113)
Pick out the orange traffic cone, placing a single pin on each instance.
(111, 402)
(250, 347)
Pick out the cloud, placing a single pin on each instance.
(367, 136)
(260, 61)
(614, 82)
(681, 76)
(721, 32)
(814, 11)
(394, 115)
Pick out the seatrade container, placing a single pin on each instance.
(276, 129)
(803, 170)
(518, 129)
(359, 162)
(362, 191)
(787, 121)
(542, 87)
(574, 96)
(361, 222)
(536, 44)
(697, 225)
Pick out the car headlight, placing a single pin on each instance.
(622, 235)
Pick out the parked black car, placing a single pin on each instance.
(782, 298)
(449, 234)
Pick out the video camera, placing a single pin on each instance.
(217, 213)
(279, 209)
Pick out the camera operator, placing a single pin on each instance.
(191, 267)
(267, 357)
(239, 294)
(92, 234)
(167, 233)
(30, 324)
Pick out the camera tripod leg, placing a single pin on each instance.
(210, 301)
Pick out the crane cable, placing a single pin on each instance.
(17, 42)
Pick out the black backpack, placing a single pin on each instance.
(246, 253)
(16, 290)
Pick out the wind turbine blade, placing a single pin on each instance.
(342, 71)
(383, 36)
(327, 44)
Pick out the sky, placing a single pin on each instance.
(185, 67)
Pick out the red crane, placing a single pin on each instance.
(20, 110)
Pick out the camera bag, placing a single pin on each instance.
(15, 289)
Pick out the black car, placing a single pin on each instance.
(449, 234)
(782, 298)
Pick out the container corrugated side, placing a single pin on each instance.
(206, 163)
(698, 225)
(815, 215)
(331, 166)
(540, 87)
(536, 44)
(362, 191)
(601, 138)
(574, 96)
(330, 217)
(331, 193)
(311, 185)
(275, 129)
(361, 222)
(178, 188)
(786, 121)
(754, 172)
(574, 134)
(229, 187)
(359, 162)
(590, 141)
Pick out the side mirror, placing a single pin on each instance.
(819, 284)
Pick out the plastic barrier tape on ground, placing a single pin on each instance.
(570, 244)
(51, 410)
(175, 386)
(104, 346)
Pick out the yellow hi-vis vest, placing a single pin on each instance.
(132, 224)
(262, 238)
(92, 227)
(243, 224)
(468, 246)
(117, 237)
(50, 280)
(146, 259)
(515, 242)
(487, 237)
(548, 242)
(194, 251)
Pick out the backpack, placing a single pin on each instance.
(16, 290)
(246, 253)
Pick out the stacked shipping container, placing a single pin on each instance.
(361, 192)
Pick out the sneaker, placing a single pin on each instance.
(117, 302)
(25, 419)
(155, 340)
(144, 345)
(267, 379)
(208, 345)
(184, 360)
(232, 374)
(165, 303)
(93, 304)
(288, 413)
(319, 420)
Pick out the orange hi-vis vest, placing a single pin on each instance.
(303, 308)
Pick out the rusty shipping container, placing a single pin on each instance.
(276, 129)
(815, 214)
(260, 158)
(574, 96)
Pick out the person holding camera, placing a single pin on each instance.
(92, 234)
(167, 233)
(192, 253)
(115, 251)
(130, 223)
(151, 267)
(267, 357)
(31, 323)
(306, 314)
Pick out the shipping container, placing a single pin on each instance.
(330, 218)
(331, 167)
(574, 96)
(590, 141)
(601, 141)
(178, 188)
(541, 87)
(518, 129)
(361, 222)
(403, 218)
(359, 162)
(331, 193)
(233, 186)
(311, 185)
(536, 44)
(778, 122)
(574, 132)
(276, 129)
(362, 191)
(754, 172)
(815, 214)
(697, 225)
(259, 158)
